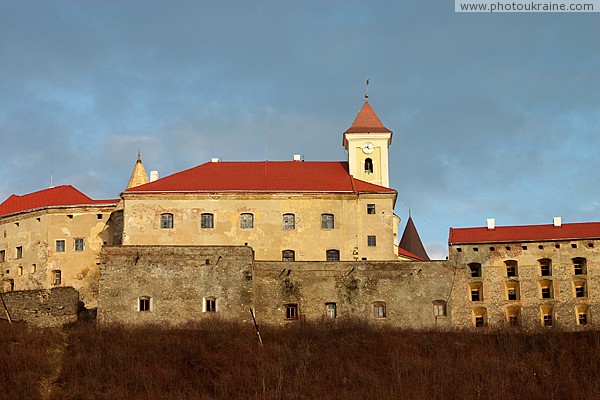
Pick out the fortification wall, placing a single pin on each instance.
(175, 280)
(407, 290)
(43, 307)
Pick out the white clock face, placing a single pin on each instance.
(368, 148)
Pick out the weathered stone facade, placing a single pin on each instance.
(546, 288)
(55, 246)
(178, 279)
(44, 308)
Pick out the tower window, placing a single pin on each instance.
(372, 241)
(368, 166)
(370, 208)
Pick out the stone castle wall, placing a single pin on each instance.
(44, 307)
(177, 279)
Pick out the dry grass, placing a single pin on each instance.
(346, 360)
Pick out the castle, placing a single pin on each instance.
(291, 240)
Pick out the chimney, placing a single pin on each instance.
(491, 223)
(297, 157)
(557, 221)
(215, 159)
(154, 176)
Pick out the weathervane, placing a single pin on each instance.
(367, 91)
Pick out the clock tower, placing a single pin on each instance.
(367, 142)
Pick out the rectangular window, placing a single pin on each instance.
(331, 310)
(512, 294)
(582, 318)
(479, 322)
(79, 244)
(579, 266)
(439, 308)
(475, 295)
(379, 310)
(19, 252)
(291, 311)
(546, 293)
(60, 246)
(475, 269)
(56, 277)
(547, 320)
(246, 221)
(289, 222)
(513, 320)
(166, 221)
(579, 291)
(545, 269)
(327, 221)
(511, 269)
(210, 304)
(371, 241)
(207, 221)
(2, 255)
(370, 208)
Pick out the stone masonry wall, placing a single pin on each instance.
(44, 307)
(176, 279)
(408, 290)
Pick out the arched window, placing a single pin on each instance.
(166, 221)
(545, 267)
(246, 221)
(207, 221)
(368, 166)
(479, 317)
(333, 255)
(145, 303)
(288, 255)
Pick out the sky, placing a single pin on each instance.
(493, 115)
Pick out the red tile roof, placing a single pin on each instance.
(525, 233)
(262, 176)
(367, 121)
(407, 253)
(59, 196)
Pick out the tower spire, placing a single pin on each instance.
(139, 175)
(367, 90)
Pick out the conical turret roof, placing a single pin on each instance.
(412, 242)
(367, 121)
(139, 175)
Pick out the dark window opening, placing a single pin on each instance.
(291, 311)
(368, 166)
(288, 255)
(370, 208)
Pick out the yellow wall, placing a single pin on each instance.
(37, 233)
(142, 215)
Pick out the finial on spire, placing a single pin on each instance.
(139, 156)
(367, 91)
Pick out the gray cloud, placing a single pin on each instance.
(493, 115)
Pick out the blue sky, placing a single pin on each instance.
(494, 115)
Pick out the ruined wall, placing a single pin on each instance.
(175, 280)
(268, 237)
(408, 290)
(563, 305)
(44, 308)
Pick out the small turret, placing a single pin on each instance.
(139, 175)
